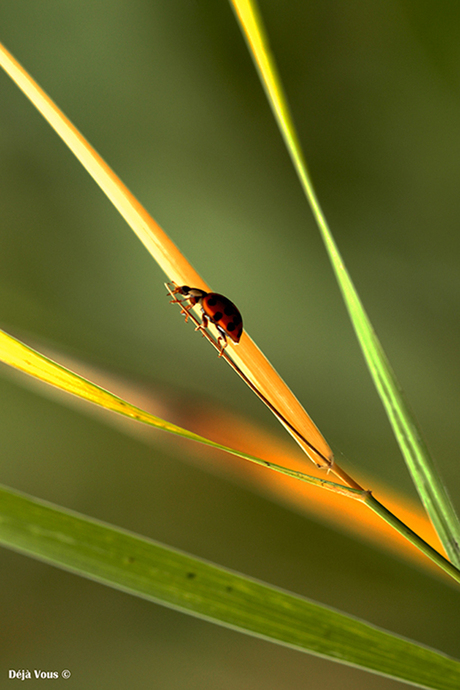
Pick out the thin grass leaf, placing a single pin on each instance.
(29, 361)
(147, 569)
(405, 427)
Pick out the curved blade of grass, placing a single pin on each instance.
(147, 569)
(405, 427)
(27, 360)
(246, 355)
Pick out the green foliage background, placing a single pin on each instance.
(168, 95)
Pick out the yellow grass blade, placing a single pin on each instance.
(27, 360)
(246, 354)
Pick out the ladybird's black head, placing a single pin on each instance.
(193, 293)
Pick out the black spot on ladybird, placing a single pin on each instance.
(217, 316)
(231, 327)
(212, 301)
(229, 310)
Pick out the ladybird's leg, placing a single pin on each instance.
(172, 287)
(203, 324)
(184, 307)
(175, 299)
(221, 340)
(183, 303)
(222, 345)
(177, 289)
(185, 310)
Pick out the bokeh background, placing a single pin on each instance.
(167, 93)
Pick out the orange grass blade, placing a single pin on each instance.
(246, 355)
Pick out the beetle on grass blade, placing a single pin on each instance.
(216, 309)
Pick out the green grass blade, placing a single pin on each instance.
(405, 427)
(147, 569)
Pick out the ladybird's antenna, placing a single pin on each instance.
(252, 386)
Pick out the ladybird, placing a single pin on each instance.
(215, 308)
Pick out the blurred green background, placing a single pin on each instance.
(167, 93)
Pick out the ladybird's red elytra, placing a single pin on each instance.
(215, 308)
